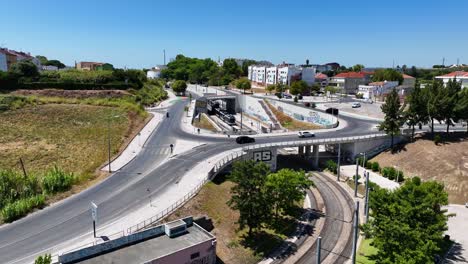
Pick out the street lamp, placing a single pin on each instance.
(109, 141)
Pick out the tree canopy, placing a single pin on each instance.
(408, 224)
(298, 87)
(243, 84)
(393, 115)
(387, 75)
(24, 68)
(179, 86)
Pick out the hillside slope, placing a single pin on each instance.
(446, 162)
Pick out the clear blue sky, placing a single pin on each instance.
(134, 33)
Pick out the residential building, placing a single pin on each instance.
(377, 89)
(257, 74)
(21, 56)
(271, 75)
(3, 61)
(321, 79)
(408, 81)
(155, 72)
(87, 65)
(49, 68)
(460, 76)
(180, 241)
(349, 82)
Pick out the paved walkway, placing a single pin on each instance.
(458, 231)
(350, 170)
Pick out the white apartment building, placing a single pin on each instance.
(375, 89)
(285, 74)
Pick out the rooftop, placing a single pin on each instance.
(320, 76)
(455, 74)
(353, 74)
(406, 76)
(153, 248)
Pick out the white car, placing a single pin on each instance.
(356, 105)
(305, 134)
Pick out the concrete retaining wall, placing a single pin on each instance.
(251, 106)
(306, 115)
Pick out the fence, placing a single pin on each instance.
(219, 166)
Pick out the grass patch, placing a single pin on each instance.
(234, 246)
(365, 251)
(289, 122)
(204, 123)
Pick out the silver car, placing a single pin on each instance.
(305, 134)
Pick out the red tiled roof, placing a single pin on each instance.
(454, 74)
(406, 76)
(320, 76)
(352, 74)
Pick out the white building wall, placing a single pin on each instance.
(153, 74)
(3, 62)
(271, 75)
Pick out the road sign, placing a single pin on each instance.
(94, 211)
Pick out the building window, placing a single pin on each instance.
(195, 255)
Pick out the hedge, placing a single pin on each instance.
(20, 208)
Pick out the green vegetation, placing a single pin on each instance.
(375, 167)
(204, 123)
(179, 87)
(332, 166)
(46, 62)
(20, 208)
(202, 71)
(394, 118)
(387, 75)
(407, 224)
(366, 252)
(46, 259)
(298, 87)
(289, 122)
(56, 180)
(257, 192)
(243, 84)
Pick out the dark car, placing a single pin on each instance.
(331, 110)
(307, 104)
(244, 139)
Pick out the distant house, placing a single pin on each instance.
(21, 56)
(408, 81)
(3, 61)
(155, 72)
(49, 68)
(321, 79)
(376, 89)
(349, 82)
(459, 76)
(88, 65)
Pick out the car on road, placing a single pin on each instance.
(244, 140)
(287, 96)
(305, 134)
(307, 104)
(355, 105)
(331, 110)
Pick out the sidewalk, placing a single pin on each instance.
(350, 170)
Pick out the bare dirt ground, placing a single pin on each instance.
(74, 93)
(446, 162)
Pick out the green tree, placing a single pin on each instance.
(42, 59)
(179, 87)
(46, 259)
(24, 68)
(448, 103)
(270, 88)
(55, 63)
(298, 87)
(393, 115)
(462, 107)
(434, 95)
(357, 68)
(286, 187)
(249, 196)
(243, 84)
(408, 224)
(416, 113)
(387, 75)
(332, 89)
(231, 68)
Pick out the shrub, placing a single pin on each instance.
(437, 139)
(20, 208)
(375, 166)
(359, 95)
(358, 178)
(46, 259)
(369, 164)
(401, 176)
(56, 180)
(14, 186)
(332, 166)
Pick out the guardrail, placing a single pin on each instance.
(219, 166)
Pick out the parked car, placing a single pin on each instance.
(244, 140)
(305, 134)
(356, 105)
(287, 96)
(307, 104)
(331, 110)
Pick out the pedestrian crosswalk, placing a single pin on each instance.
(159, 151)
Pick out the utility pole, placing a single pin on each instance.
(319, 246)
(443, 61)
(356, 231)
(339, 162)
(22, 166)
(356, 178)
(366, 207)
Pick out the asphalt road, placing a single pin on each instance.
(126, 190)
